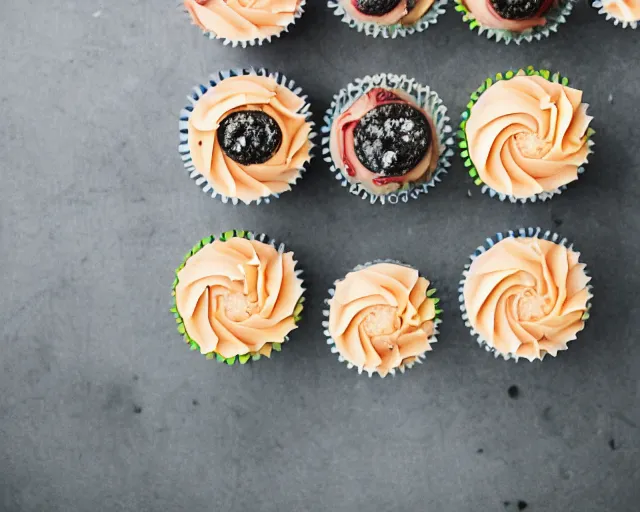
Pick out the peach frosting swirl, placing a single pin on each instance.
(238, 297)
(624, 10)
(343, 152)
(243, 20)
(527, 135)
(486, 15)
(399, 14)
(249, 182)
(527, 297)
(380, 317)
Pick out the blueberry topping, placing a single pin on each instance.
(517, 9)
(249, 137)
(375, 7)
(392, 139)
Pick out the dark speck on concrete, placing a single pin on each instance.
(506, 503)
(612, 443)
(513, 391)
(137, 409)
(479, 450)
(557, 222)
(136, 377)
(522, 505)
(195, 402)
(546, 413)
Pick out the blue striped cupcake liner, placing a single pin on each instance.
(258, 41)
(227, 235)
(390, 31)
(332, 344)
(198, 92)
(599, 5)
(555, 17)
(489, 243)
(425, 98)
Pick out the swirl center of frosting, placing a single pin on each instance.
(532, 146)
(381, 321)
(238, 307)
(530, 306)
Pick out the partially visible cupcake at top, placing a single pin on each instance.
(383, 141)
(514, 20)
(388, 18)
(248, 137)
(622, 12)
(525, 295)
(382, 318)
(525, 135)
(237, 297)
(244, 22)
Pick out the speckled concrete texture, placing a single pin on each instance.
(102, 408)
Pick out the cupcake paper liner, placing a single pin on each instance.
(598, 4)
(251, 356)
(464, 147)
(489, 243)
(426, 98)
(334, 349)
(390, 31)
(199, 91)
(555, 17)
(258, 41)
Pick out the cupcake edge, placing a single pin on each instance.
(555, 17)
(199, 91)
(334, 349)
(258, 41)
(616, 21)
(390, 31)
(249, 235)
(425, 97)
(489, 243)
(463, 143)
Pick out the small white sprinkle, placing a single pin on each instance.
(468, 193)
(97, 14)
(610, 98)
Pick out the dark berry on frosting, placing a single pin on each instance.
(249, 137)
(375, 7)
(517, 9)
(392, 139)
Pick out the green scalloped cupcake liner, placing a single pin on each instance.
(555, 17)
(464, 145)
(193, 344)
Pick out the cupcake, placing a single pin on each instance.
(514, 20)
(246, 136)
(244, 22)
(621, 12)
(382, 318)
(525, 135)
(387, 138)
(388, 18)
(525, 294)
(237, 297)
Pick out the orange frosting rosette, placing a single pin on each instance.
(382, 318)
(528, 135)
(249, 183)
(400, 14)
(238, 296)
(243, 20)
(527, 297)
(627, 11)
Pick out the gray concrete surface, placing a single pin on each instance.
(102, 408)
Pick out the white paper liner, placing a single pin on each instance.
(258, 41)
(260, 237)
(334, 349)
(183, 125)
(389, 31)
(489, 243)
(598, 4)
(425, 98)
(555, 17)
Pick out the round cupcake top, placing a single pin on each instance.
(528, 135)
(384, 141)
(623, 10)
(238, 297)
(380, 317)
(527, 296)
(387, 12)
(243, 20)
(512, 15)
(247, 137)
